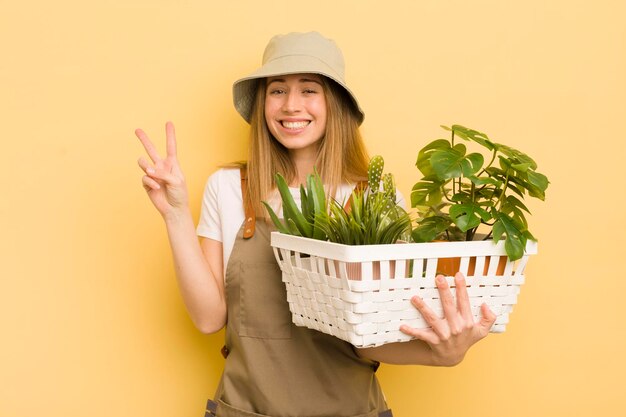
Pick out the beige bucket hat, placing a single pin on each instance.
(294, 53)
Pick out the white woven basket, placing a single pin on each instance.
(362, 294)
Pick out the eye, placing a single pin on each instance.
(276, 91)
(309, 91)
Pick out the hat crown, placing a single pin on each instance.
(309, 44)
(294, 53)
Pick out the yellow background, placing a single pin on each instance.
(91, 320)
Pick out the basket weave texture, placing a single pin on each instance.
(362, 294)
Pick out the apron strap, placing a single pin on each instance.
(211, 408)
(250, 222)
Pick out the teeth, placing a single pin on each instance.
(295, 125)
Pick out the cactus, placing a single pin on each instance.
(374, 173)
(389, 186)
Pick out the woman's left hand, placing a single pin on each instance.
(449, 338)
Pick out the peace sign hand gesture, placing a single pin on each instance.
(164, 181)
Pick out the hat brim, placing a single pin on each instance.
(244, 89)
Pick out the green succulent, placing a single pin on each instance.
(372, 217)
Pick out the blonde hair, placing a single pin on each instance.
(342, 156)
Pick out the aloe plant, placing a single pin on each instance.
(304, 221)
(459, 192)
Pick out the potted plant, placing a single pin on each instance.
(319, 244)
(462, 194)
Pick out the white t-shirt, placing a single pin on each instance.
(222, 211)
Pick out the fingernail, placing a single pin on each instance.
(439, 279)
(150, 171)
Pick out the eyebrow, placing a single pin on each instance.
(302, 80)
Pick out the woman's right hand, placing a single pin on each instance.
(163, 180)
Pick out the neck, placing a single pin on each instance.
(304, 162)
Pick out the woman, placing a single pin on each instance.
(302, 115)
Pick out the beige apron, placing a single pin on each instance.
(274, 368)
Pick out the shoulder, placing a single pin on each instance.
(225, 177)
(225, 182)
(223, 189)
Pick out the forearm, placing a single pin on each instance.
(413, 352)
(200, 285)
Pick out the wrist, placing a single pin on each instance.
(448, 360)
(177, 216)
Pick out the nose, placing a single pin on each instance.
(292, 103)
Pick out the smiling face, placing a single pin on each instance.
(295, 111)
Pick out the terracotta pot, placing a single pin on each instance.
(450, 266)
(354, 269)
